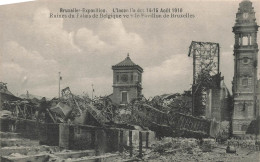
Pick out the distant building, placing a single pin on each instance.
(127, 81)
(6, 95)
(245, 68)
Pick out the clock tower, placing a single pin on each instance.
(245, 68)
(127, 81)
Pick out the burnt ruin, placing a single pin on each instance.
(126, 126)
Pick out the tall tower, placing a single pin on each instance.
(127, 81)
(245, 68)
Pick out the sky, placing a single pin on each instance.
(35, 47)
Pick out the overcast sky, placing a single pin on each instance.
(34, 48)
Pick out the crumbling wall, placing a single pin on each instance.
(81, 137)
(49, 134)
(27, 128)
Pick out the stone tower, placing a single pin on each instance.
(245, 68)
(127, 81)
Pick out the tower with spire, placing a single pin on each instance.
(127, 81)
(245, 68)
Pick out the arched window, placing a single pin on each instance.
(117, 78)
(245, 41)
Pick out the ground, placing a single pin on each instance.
(191, 150)
(218, 155)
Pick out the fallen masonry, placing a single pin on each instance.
(190, 149)
(114, 145)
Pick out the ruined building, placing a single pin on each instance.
(218, 103)
(127, 81)
(245, 68)
(210, 95)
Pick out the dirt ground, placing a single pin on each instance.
(217, 155)
(192, 150)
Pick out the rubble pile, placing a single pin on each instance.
(190, 149)
(244, 143)
(136, 111)
(173, 145)
(76, 109)
(101, 111)
(25, 109)
(69, 108)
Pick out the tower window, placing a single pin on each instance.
(245, 41)
(139, 78)
(250, 81)
(124, 97)
(245, 82)
(117, 78)
(132, 77)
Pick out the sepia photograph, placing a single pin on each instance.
(129, 80)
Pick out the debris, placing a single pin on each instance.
(17, 155)
(174, 145)
(207, 145)
(5, 113)
(231, 149)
